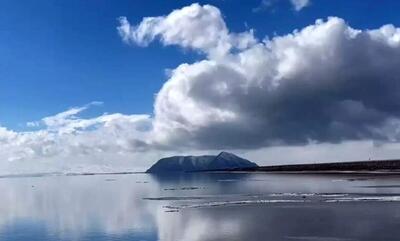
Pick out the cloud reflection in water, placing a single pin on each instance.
(133, 207)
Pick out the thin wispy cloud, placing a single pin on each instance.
(265, 5)
(271, 5)
(300, 4)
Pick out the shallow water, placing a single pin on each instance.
(203, 207)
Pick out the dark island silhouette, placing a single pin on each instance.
(224, 161)
(229, 162)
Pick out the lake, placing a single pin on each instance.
(200, 207)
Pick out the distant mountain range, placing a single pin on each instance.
(223, 161)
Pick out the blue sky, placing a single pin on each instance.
(59, 54)
(100, 85)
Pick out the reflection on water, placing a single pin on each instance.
(200, 207)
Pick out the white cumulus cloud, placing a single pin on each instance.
(201, 28)
(327, 82)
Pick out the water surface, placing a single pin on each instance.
(203, 207)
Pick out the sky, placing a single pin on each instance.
(103, 85)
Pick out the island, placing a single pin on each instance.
(228, 162)
(224, 161)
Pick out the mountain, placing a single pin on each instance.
(223, 161)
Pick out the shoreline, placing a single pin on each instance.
(376, 167)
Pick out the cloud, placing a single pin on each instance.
(66, 121)
(66, 142)
(327, 82)
(200, 28)
(300, 4)
(264, 5)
